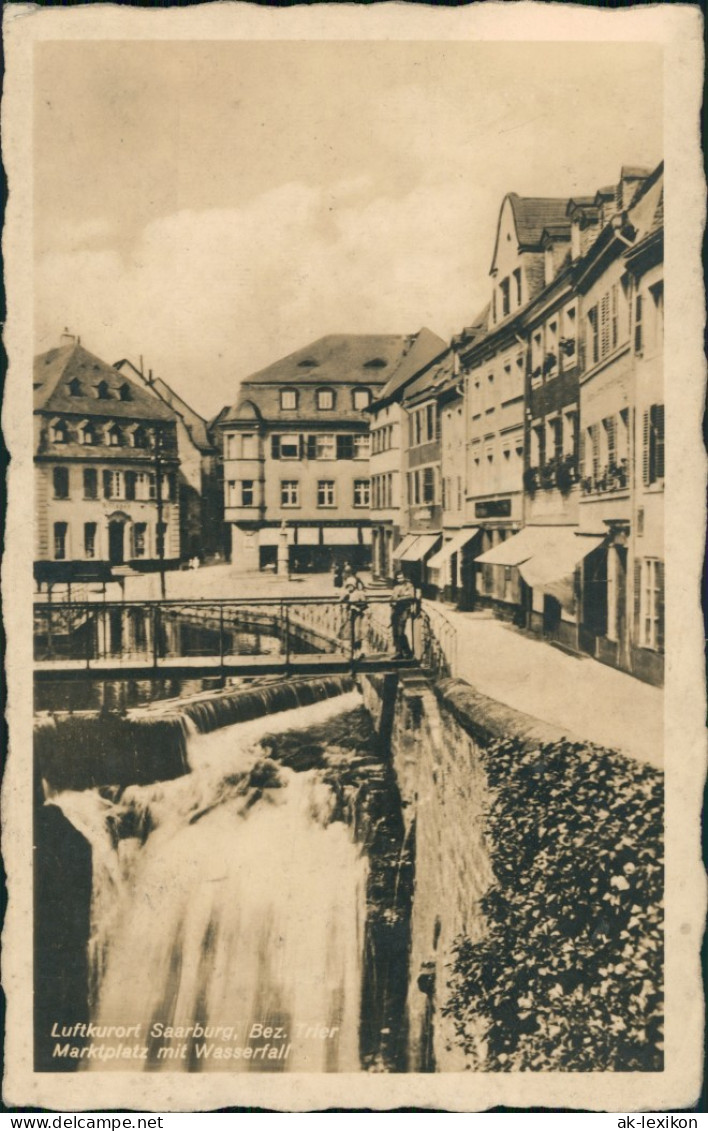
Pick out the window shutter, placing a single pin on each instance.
(581, 453)
(605, 325)
(646, 469)
(657, 412)
(659, 575)
(107, 494)
(637, 600)
(311, 447)
(130, 484)
(611, 426)
(275, 447)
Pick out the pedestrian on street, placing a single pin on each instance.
(354, 596)
(403, 601)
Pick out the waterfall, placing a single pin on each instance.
(228, 903)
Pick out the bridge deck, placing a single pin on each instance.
(188, 667)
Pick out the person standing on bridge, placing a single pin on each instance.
(354, 596)
(403, 601)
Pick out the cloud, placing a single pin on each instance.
(209, 296)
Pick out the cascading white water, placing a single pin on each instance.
(231, 917)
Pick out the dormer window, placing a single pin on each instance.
(138, 437)
(288, 399)
(75, 388)
(102, 391)
(325, 399)
(87, 433)
(114, 437)
(58, 431)
(125, 392)
(376, 363)
(361, 399)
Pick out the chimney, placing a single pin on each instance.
(149, 376)
(67, 339)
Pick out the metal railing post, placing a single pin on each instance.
(221, 636)
(89, 634)
(155, 629)
(50, 642)
(286, 630)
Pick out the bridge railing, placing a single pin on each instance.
(158, 630)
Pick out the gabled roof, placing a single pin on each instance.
(532, 214)
(193, 422)
(426, 347)
(430, 382)
(56, 369)
(349, 358)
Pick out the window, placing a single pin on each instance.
(538, 445)
(362, 446)
(113, 485)
(345, 447)
(428, 485)
(517, 281)
(125, 392)
(653, 447)
(649, 577)
(325, 399)
(139, 539)
(609, 425)
(60, 479)
(90, 539)
(362, 493)
(58, 432)
(605, 337)
(555, 436)
(138, 437)
(247, 493)
(75, 389)
(144, 486)
(102, 391)
(160, 538)
(289, 447)
(288, 398)
(87, 433)
(114, 437)
(430, 422)
(505, 300)
(249, 446)
(325, 493)
(289, 493)
(325, 446)
(417, 428)
(130, 485)
(230, 446)
(90, 483)
(169, 487)
(593, 335)
(361, 399)
(60, 531)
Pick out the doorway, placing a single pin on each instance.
(116, 540)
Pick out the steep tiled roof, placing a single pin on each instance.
(56, 370)
(194, 423)
(430, 381)
(337, 357)
(534, 213)
(426, 347)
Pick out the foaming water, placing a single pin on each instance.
(229, 910)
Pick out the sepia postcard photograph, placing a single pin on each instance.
(352, 581)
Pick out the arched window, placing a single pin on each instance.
(87, 432)
(138, 437)
(75, 388)
(125, 392)
(114, 436)
(102, 391)
(361, 399)
(288, 399)
(325, 399)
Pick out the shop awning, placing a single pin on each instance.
(564, 550)
(270, 536)
(517, 549)
(423, 545)
(405, 545)
(308, 535)
(451, 547)
(341, 535)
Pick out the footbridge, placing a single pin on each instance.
(114, 640)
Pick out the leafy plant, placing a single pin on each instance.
(569, 973)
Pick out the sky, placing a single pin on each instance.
(213, 206)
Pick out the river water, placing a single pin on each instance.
(252, 915)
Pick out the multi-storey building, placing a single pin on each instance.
(200, 504)
(620, 282)
(106, 466)
(296, 453)
(531, 244)
(387, 446)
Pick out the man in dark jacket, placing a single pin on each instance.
(403, 600)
